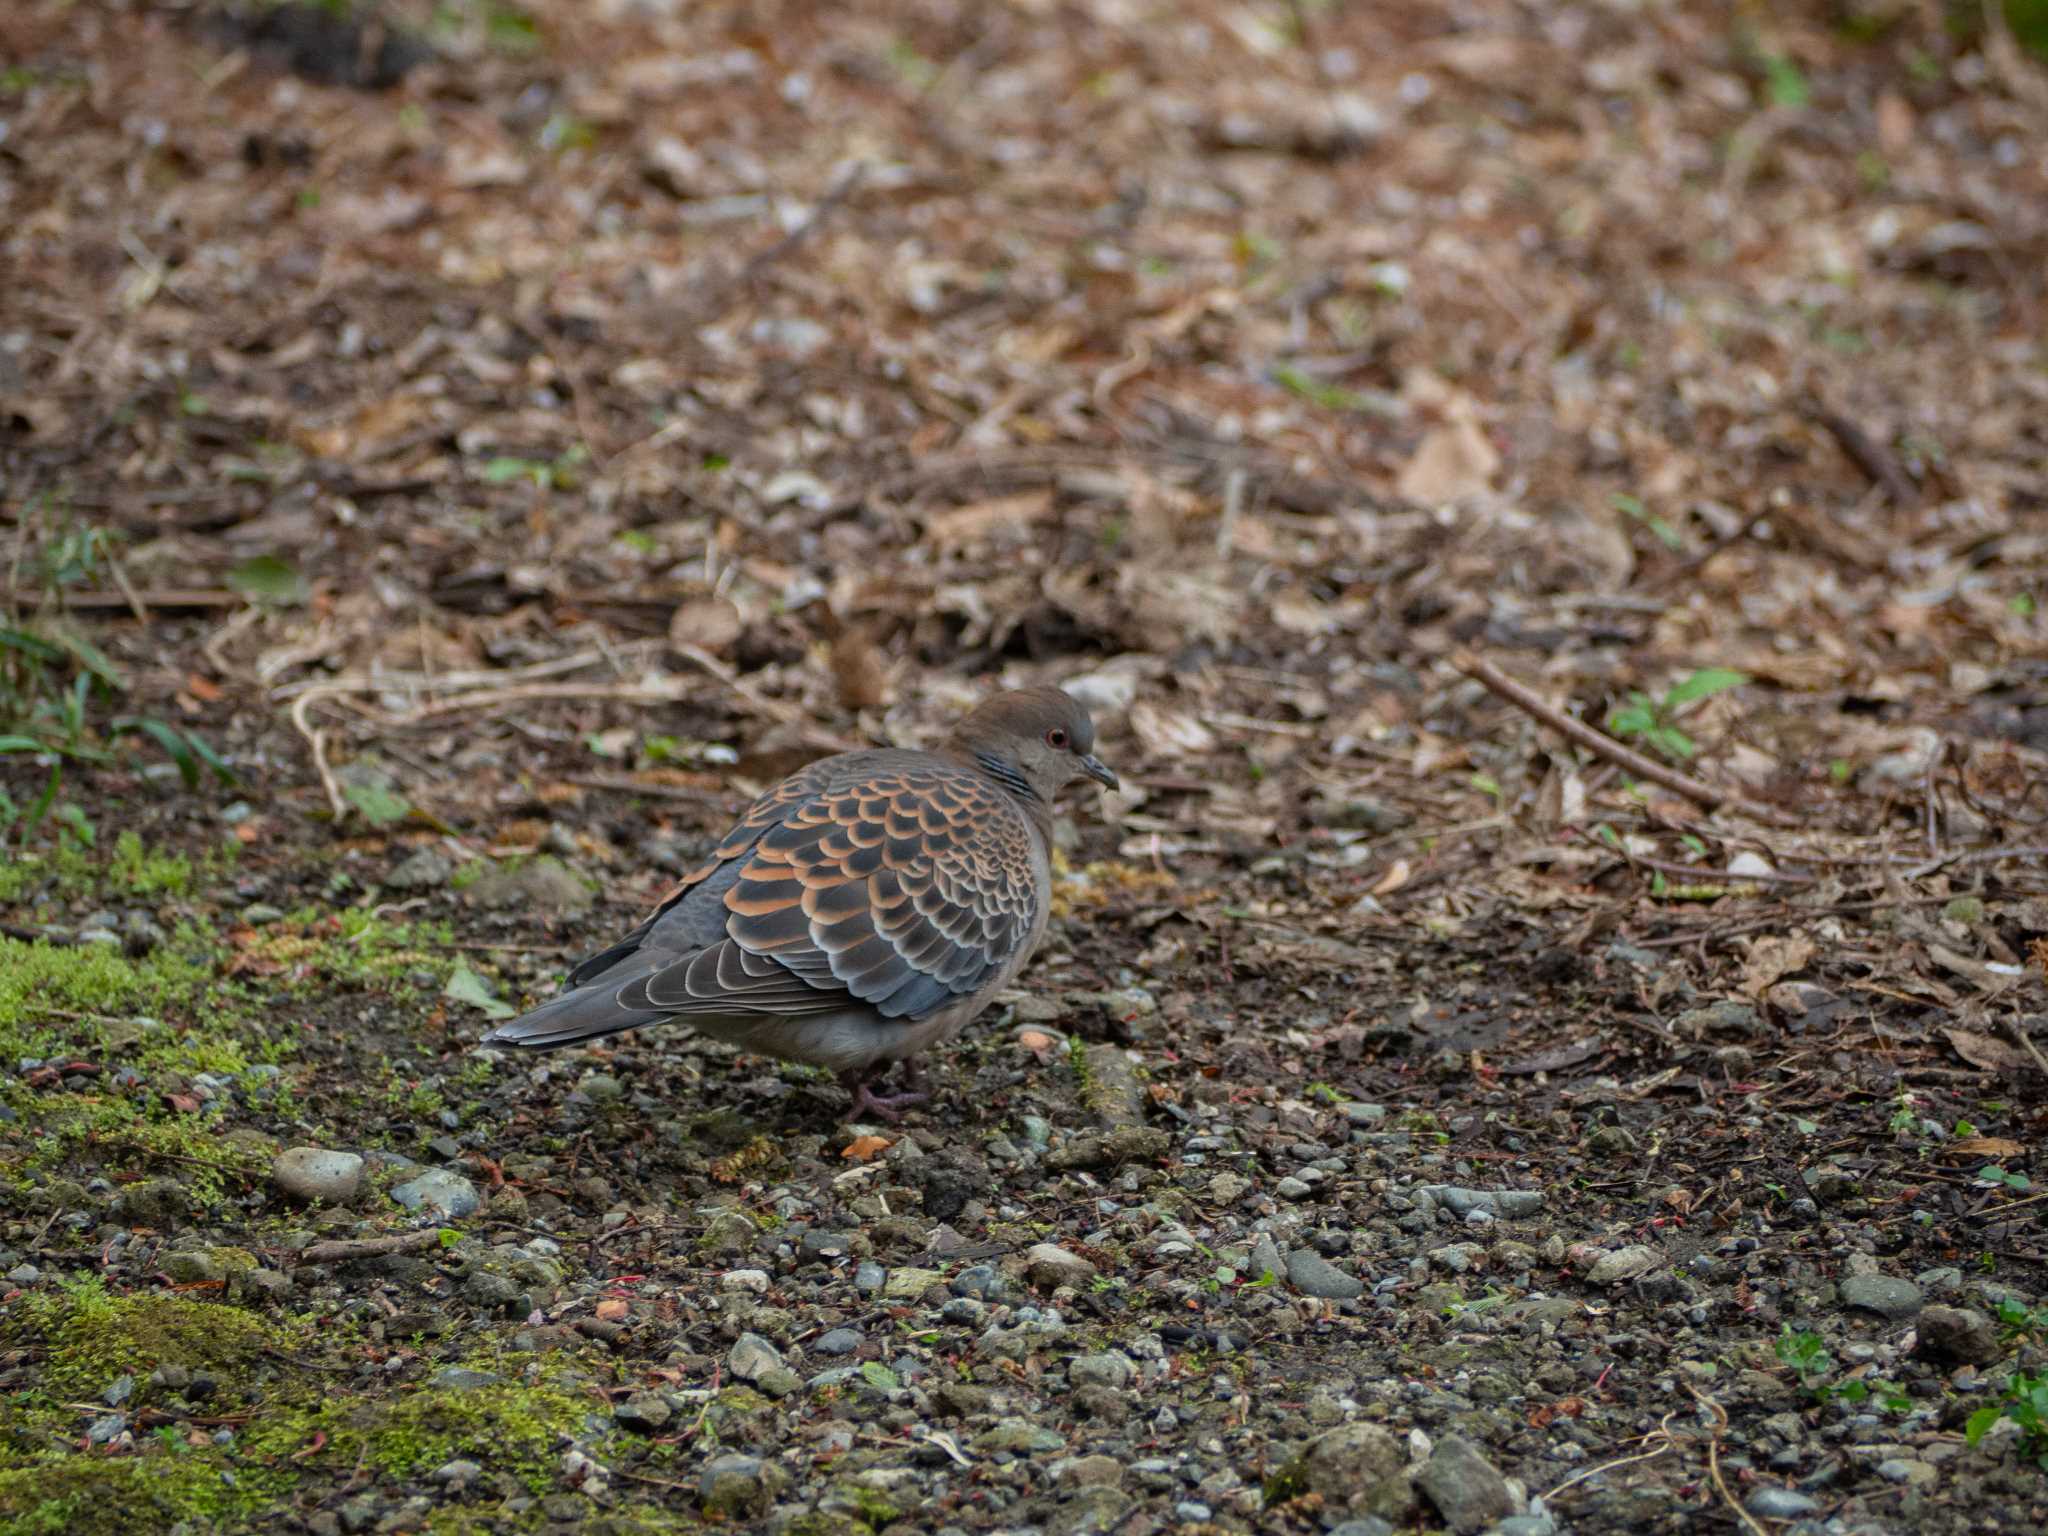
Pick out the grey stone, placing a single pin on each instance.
(155, 1203)
(823, 1247)
(1266, 1259)
(1959, 1334)
(1507, 1203)
(734, 1485)
(458, 1378)
(541, 886)
(1779, 1503)
(1313, 1275)
(1466, 1488)
(314, 1173)
(1623, 1264)
(909, 1284)
(439, 1192)
(1886, 1295)
(1048, 1265)
(645, 1413)
(840, 1341)
(1110, 1370)
(751, 1357)
(1357, 1469)
(423, 870)
(1020, 1437)
(107, 1428)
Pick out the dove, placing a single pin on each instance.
(866, 908)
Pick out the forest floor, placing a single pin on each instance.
(1549, 506)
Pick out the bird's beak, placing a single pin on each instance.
(1100, 772)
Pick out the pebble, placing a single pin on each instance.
(1780, 1504)
(752, 1357)
(1049, 1265)
(1467, 1488)
(460, 1378)
(1618, 1264)
(870, 1278)
(1110, 1370)
(1885, 1295)
(737, 1485)
(439, 1192)
(645, 1413)
(840, 1341)
(1961, 1335)
(314, 1173)
(1313, 1275)
(910, 1284)
(1508, 1203)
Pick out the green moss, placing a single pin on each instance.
(133, 868)
(91, 1338)
(80, 1495)
(507, 1426)
(40, 984)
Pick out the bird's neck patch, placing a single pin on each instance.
(1007, 776)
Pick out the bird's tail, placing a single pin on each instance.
(582, 1013)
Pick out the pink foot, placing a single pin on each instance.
(889, 1106)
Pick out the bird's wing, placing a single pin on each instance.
(901, 884)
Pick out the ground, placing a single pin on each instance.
(1549, 505)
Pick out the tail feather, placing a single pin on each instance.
(582, 1013)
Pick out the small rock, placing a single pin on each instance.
(157, 1203)
(439, 1192)
(1886, 1295)
(460, 1378)
(107, 1428)
(869, 1278)
(755, 1280)
(1464, 1485)
(458, 1473)
(840, 1341)
(751, 1357)
(909, 1284)
(735, 1485)
(542, 886)
(314, 1173)
(427, 869)
(1356, 1468)
(1313, 1275)
(1107, 1370)
(645, 1413)
(1959, 1334)
(1907, 1470)
(1020, 1437)
(1507, 1203)
(1047, 1265)
(1779, 1504)
(817, 1247)
(1612, 1266)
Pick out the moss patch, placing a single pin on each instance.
(89, 1339)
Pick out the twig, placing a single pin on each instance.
(1700, 872)
(1663, 1433)
(848, 183)
(317, 740)
(341, 1250)
(2027, 1044)
(1679, 573)
(30, 935)
(1866, 453)
(134, 599)
(1714, 1462)
(1697, 790)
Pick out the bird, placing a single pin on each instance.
(864, 909)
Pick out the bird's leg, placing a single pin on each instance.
(860, 1083)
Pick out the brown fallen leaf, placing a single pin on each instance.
(1771, 960)
(1452, 462)
(861, 1148)
(709, 623)
(1984, 1146)
(1987, 1051)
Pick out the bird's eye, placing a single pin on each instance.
(1056, 739)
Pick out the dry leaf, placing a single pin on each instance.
(1984, 1146)
(709, 623)
(1004, 519)
(1771, 960)
(1453, 462)
(861, 1148)
(1169, 734)
(1396, 876)
(1987, 1052)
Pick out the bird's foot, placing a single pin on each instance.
(889, 1106)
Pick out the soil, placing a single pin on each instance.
(1548, 506)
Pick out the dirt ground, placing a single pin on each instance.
(1549, 506)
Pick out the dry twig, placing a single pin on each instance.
(1698, 790)
(341, 1250)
